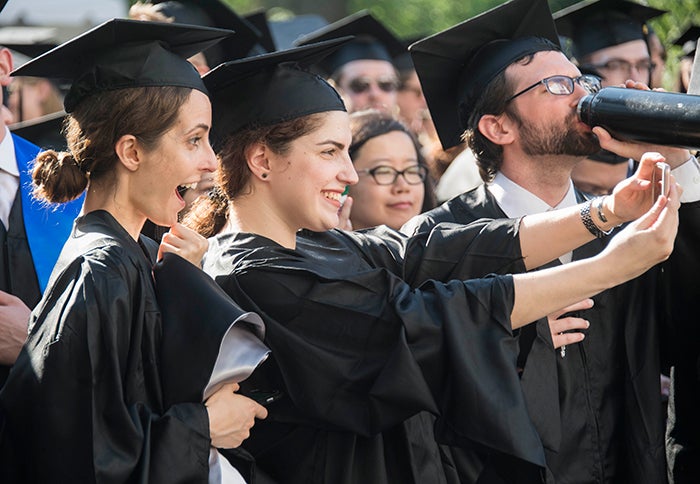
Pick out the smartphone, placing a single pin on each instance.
(660, 180)
(264, 397)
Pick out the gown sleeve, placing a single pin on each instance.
(83, 401)
(446, 251)
(364, 351)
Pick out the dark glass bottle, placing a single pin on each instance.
(664, 118)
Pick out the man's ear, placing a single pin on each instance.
(128, 151)
(5, 66)
(497, 128)
(258, 161)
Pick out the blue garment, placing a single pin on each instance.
(47, 226)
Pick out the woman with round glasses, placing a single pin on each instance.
(393, 183)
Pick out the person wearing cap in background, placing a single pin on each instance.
(362, 71)
(687, 41)
(205, 13)
(31, 235)
(88, 399)
(609, 38)
(500, 80)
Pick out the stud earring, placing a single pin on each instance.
(264, 175)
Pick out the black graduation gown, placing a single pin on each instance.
(683, 432)
(609, 395)
(83, 402)
(357, 352)
(17, 275)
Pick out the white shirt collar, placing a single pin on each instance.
(516, 202)
(7, 154)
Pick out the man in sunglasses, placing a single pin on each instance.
(362, 70)
(500, 81)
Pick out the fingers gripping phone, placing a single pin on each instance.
(264, 397)
(660, 179)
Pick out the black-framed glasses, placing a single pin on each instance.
(387, 175)
(622, 65)
(360, 85)
(563, 85)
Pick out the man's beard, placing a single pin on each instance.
(557, 139)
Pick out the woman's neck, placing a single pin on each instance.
(99, 197)
(256, 215)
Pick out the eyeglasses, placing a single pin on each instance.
(386, 175)
(621, 65)
(563, 85)
(361, 85)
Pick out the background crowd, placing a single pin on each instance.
(426, 268)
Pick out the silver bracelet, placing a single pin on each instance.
(598, 204)
(588, 221)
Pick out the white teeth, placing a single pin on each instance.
(189, 186)
(332, 195)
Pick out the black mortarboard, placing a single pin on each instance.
(123, 53)
(259, 20)
(455, 65)
(271, 88)
(44, 131)
(688, 40)
(31, 50)
(372, 40)
(596, 24)
(286, 32)
(403, 61)
(214, 13)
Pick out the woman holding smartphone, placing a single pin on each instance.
(356, 350)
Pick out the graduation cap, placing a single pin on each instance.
(259, 20)
(44, 131)
(596, 24)
(31, 50)
(286, 32)
(271, 88)
(403, 61)
(214, 13)
(372, 40)
(688, 40)
(455, 65)
(123, 53)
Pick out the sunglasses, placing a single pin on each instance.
(360, 85)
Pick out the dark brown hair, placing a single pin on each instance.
(489, 155)
(366, 125)
(92, 131)
(208, 214)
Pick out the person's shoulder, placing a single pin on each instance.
(24, 147)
